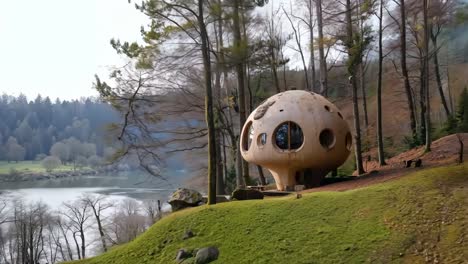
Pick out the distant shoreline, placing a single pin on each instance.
(38, 176)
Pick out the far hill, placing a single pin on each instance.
(416, 219)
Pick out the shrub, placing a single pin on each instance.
(50, 163)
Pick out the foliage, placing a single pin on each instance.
(50, 163)
(377, 224)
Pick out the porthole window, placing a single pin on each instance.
(327, 108)
(349, 141)
(327, 139)
(262, 139)
(288, 136)
(248, 136)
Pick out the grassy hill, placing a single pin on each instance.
(418, 218)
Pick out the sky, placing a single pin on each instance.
(54, 47)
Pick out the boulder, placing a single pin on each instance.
(183, 198)
(206, 255)
(246, 194)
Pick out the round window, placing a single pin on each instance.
(248, 136)
(288, 136)
(349, 141)
(262, 139)
(327, 139)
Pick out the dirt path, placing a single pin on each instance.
(445, 151)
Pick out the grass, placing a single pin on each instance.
(28, 166)
(418, 218)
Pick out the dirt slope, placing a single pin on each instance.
(444, 151)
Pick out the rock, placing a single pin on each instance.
(243, 194)
(188, 234)
(206, 255)
(182, 255)
(183, 198)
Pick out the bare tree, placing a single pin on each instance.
(78, 214)
(98, 205)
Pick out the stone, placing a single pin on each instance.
(183, 198)
(182, 255)
(206, 255)
(188, 234)
(246, 194)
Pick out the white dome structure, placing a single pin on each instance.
(299, 136)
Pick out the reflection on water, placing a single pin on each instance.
(54, 192)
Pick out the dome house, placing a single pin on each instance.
(299, 136)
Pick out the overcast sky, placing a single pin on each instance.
(54, 47)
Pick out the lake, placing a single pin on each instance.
(132, 184)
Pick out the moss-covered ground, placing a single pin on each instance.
(418, 218)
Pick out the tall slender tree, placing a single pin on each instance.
(354, 57)
(321, 47)
(380, 145)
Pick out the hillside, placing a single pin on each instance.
(419, 218)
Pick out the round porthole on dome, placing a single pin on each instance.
(349, 141)
(248, 136)
(262, 139)
(327, 139)
(288, 136)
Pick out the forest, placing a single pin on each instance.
(68, 130)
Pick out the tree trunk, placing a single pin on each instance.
(380, 145)
(426, 77)
(352, 75)
(323, 61)
(362, 79)
(422, 96)
(404, 69)
(83, 243)
(437, 73)
(312, 49)
(208, 107)
(240, 83)
(219, 135)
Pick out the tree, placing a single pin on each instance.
(321, 47)
(61, 151)
(426, 76)
(50, 163)
(354, 50)
(78, 214)
(98, 205)
(462, 112)
(15, 152)
(380, 146)
(404, 68)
